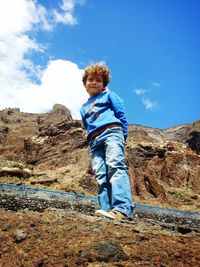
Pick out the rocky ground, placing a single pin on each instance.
(70, 238)
(49, 151)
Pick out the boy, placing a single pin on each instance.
(104, 119)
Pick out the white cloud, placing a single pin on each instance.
(154, 84)
(58, 82)
(61, 83)
(142, 93)
(66, 16)
(149, 104)
(139, 91)
(68, 5)
(18, 11)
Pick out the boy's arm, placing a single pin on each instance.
(83, 120)
(117, 106)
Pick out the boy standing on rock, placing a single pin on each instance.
(105, 121)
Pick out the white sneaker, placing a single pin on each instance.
(104, 214)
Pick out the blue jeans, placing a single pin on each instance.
(107, 157)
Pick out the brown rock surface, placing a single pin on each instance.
(15, 126)
(52, 148)
(194, 137)
(71, 238)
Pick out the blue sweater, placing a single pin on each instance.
(102, 109)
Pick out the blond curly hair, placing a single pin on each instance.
(97, 69)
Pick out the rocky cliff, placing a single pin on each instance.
(50, 150)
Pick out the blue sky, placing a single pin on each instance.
(152, 48)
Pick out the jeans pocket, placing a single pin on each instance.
(118, 133)
(116, 130)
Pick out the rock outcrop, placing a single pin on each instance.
(16, 126)
(193, 140)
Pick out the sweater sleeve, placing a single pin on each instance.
(117, 105)
(83, 120)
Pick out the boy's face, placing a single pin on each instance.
(94, 85)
